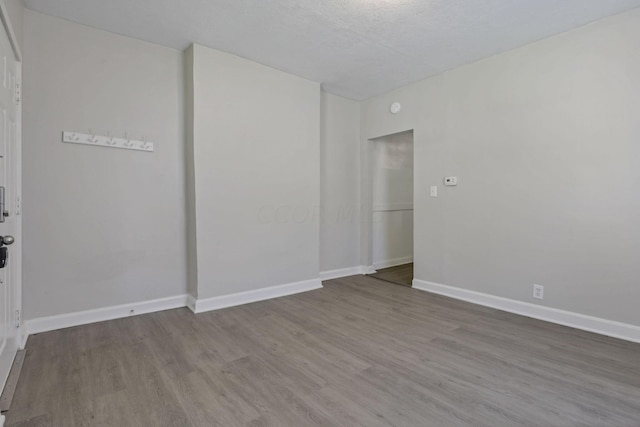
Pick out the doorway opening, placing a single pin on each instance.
(391, 208)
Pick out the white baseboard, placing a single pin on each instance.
(567, 318)
(191, 302)
(51, 323)
(22, 338)
(368, 269)
(345, 272)
(216, 303)
(392, 262)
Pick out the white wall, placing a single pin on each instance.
(392, 176)
(544, 141)
(257, 154)
(102, 226)
(339, 183)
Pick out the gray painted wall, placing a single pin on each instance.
(190, 187)
(339, 186)
(102, 226)
(544, 141)
(257, 181)
(15, 9)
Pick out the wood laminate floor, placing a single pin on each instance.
(360, 352)
(400, 274)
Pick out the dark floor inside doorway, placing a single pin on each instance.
(399, 275)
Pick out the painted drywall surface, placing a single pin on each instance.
(393, 171)
(392, 175)
(544, 141)
(339, 183)
(190, 196)
(392, 238)
(15, 9)
(257, 156)
(102, 226)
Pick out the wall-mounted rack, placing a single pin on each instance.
(106, 141)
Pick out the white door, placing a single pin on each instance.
(9, 223)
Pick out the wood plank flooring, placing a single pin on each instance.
(400, 274)
(359, 352)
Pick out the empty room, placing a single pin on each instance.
(320, 213)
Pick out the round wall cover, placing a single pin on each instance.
(395, 108)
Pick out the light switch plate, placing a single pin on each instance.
(434, 191)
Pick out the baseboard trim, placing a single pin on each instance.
(597, 325)
(191, 302)
(392, 262)
(345, 272)
(368, 269)
(23, 337)
(225, 301)
(52, 323)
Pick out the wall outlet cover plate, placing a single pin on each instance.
(451, 181)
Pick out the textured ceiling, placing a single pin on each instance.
(356, 48)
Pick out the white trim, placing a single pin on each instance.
(368, 269)
(392, 262)
(51, 323)
(18, 250)
(597, 325)
(224, 301)
(345, 272)
(15, 306)
(191, 302)
(23, 336)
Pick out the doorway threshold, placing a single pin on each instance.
(399, 275)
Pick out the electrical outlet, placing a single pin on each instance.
(451, 181)
(538, 291)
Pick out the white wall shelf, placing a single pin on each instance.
(106, 141)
